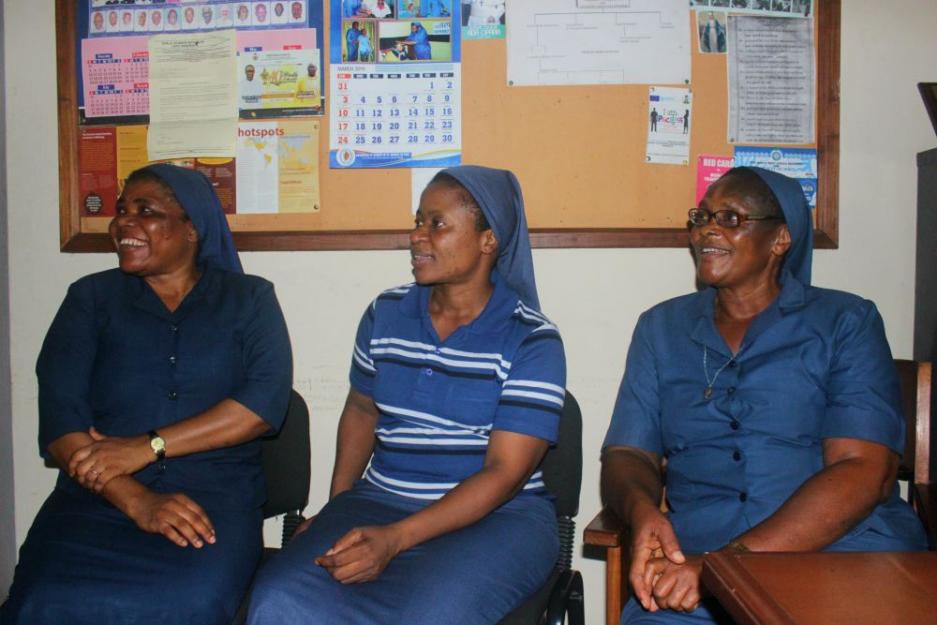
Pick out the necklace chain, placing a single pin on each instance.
(708, 392)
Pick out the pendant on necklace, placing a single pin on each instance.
(708, 392)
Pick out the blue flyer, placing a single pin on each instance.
(799, 163)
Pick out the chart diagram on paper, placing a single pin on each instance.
(558, 42)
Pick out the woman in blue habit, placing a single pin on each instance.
(155, 381)
(775, 404)
(438, 512)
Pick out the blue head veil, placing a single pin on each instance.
(198, 199)
(499, 195)
(790, 196)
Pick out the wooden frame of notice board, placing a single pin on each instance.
(583, 184)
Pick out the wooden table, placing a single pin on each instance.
(825, 588)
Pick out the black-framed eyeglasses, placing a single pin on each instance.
(725, 218)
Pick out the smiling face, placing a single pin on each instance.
(445, 245)
(747, 256)
(260, 12)
(151, 233)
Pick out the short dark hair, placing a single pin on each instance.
(468, 200)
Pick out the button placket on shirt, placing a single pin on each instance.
(731, 379)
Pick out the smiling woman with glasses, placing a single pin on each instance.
(773, 402)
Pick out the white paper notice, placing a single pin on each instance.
(193, 95)
(668, 125)
(771, 80)
(557, 42)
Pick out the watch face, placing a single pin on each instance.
(157, 444)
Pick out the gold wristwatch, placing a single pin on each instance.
(157, 444)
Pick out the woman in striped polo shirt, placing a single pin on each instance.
(457, 386)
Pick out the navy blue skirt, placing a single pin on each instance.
(475, 575)
(84, 561)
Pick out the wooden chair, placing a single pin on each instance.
(606, 531)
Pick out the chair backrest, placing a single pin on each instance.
(285, 458)
(915, 380)
(562, 466)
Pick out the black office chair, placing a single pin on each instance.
(285, 459)
(562, 595)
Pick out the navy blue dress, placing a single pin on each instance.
(813, 365)
(117, 359)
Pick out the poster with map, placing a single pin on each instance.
(278, 166)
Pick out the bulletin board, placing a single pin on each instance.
(578, 152)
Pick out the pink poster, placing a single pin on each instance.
(708, 170)
(115, 73)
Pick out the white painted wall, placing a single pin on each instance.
(594, 296)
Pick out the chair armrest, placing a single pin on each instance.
(924, 500)
(566, 599)
(605, 530)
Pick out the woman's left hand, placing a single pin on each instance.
(361, 554)
(94, 465)
(675, 586)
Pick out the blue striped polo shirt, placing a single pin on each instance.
(439, 401)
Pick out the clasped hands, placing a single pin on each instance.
(107, 457)
(662, 577)
(174, 515)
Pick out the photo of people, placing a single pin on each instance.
(156, 20)
(418, 40)
(260, 14)
(97, 22)
(380, 9)
(408, 8)
(739, 4)
(250, 88)
(280, 15)
(143, 19)
(719, 3)
(224, 16)
(126, 21)
(207, 19)
(351, 30)
(172, 19)
(297, 12)
(801, 7)
(188, 19)
(781, 5)
(483, 12)
(435, 8)
(366, 37)
(113, 22)
(712, 32)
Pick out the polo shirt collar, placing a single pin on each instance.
(500, 306)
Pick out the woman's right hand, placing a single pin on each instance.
(652, 536)
(175, 516)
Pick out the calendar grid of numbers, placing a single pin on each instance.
(395, 84)
(391, 118)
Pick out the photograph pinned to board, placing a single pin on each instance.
(764, 8)
(668, 130)
(557, 42)
(483, 19)
(709, 168)
(798, 163)
(395, 86)
(771, 76)
(143, 17)
(711, 26)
